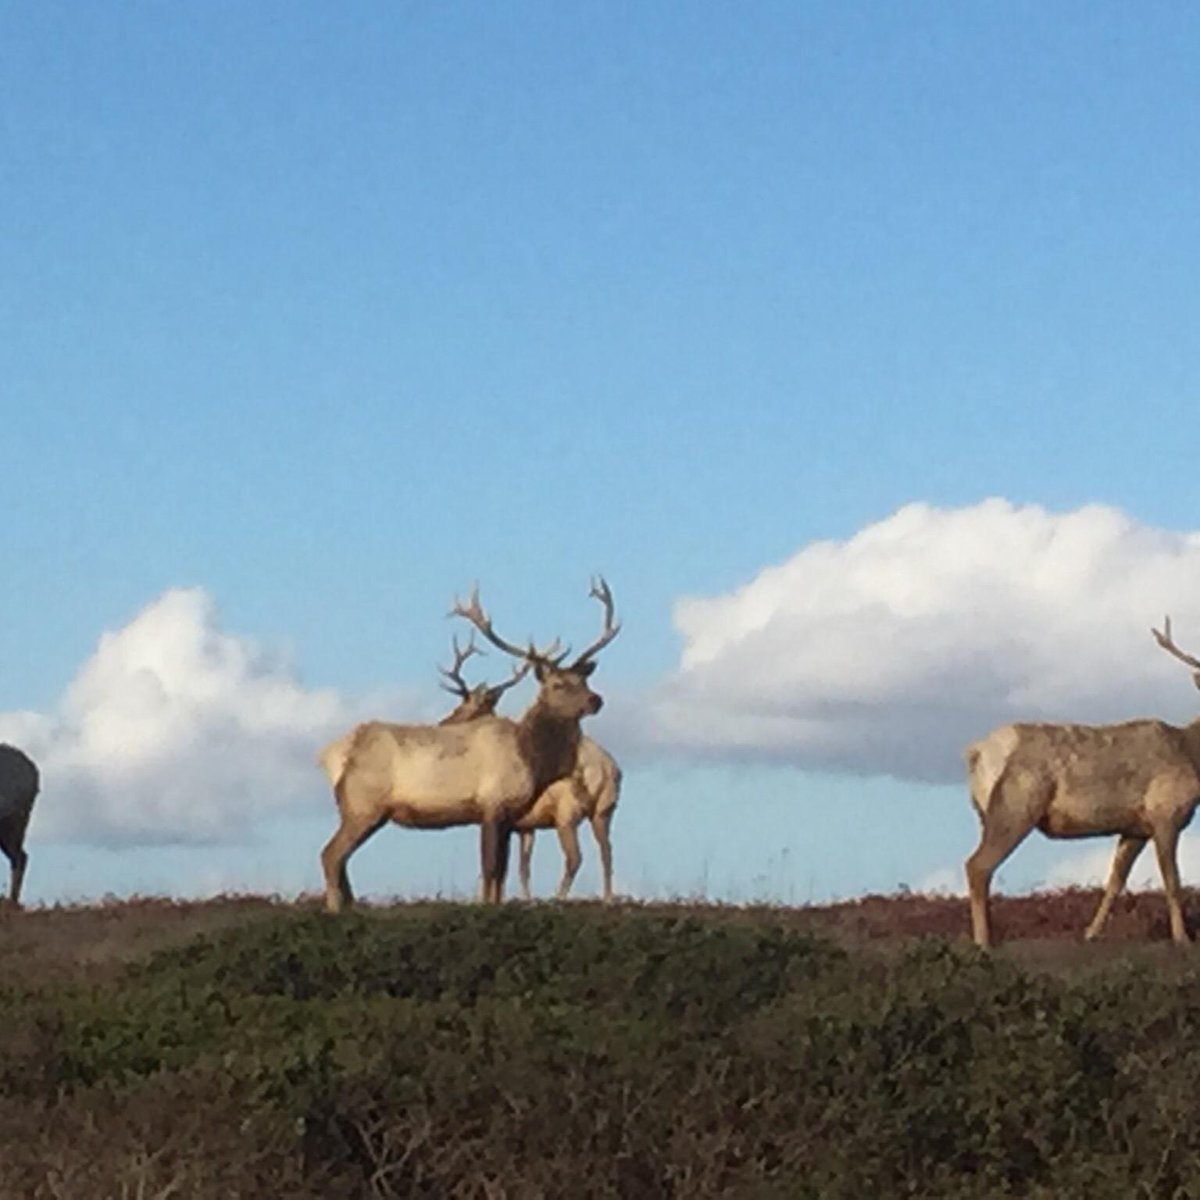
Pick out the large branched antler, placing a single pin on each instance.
(458, 686)
(600, 591)
(473, 611)
(1167, 642)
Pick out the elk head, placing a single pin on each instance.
(564, 690)
(480, 700)
(1165, 640)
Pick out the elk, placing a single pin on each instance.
(18, 789)
(485, 772)
(1139, 780)
(591, 792)
(480, 700)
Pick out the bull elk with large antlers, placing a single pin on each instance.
(589, 793)
(485, 772)
(18, 790)
(1139, 780)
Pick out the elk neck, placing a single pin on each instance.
(549, 743)
(1191, 739)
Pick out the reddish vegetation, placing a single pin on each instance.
(1062, 915)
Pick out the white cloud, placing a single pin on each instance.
(887, 653)
(176, 731)
(1089, 868)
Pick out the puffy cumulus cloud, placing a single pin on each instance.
(176, 731)
(888, 652)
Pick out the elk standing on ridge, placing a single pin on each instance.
(18, 790)
(485, 772)
(1139, 780)
(591, 792)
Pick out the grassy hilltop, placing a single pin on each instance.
(244, 1048)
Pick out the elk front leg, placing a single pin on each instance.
(495, 836)
(526, 863)
(1128, 848)
(601, 824)
(568, 837)
(1166, 845)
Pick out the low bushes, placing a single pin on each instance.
(454, 1051)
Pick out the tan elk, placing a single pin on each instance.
(478, 701)
(18, 789)
(1139, 780)
(485, 772)
(590, 793)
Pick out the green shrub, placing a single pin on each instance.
(445, 1051)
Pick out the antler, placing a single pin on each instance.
(1165, 640)
(458, 686)
(518, 673)
(473, 612)
(601, 592)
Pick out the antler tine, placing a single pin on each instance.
(553, 653)
(473, 612)
(1167, 642)
(601, 591)
(518, 673)
(458, 686)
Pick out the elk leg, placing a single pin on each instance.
(351, 834)
(12, 837)
(494, 843)
(1166, 843)
(503, 846)
(526, 862)
(997, 843)
(1128, 848)
(601, 823)
(568, 837)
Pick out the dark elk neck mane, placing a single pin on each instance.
(549, 744)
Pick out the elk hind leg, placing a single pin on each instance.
(1166, 845)
(12, 843)
(1002, 834)
(1128, 848)
(568, 836)
(526, 863)
(352, 833)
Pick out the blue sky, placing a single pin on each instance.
(325, 312)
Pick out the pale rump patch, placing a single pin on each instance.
(986, 760)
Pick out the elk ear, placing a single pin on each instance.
(540, 671)
(585, 669)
